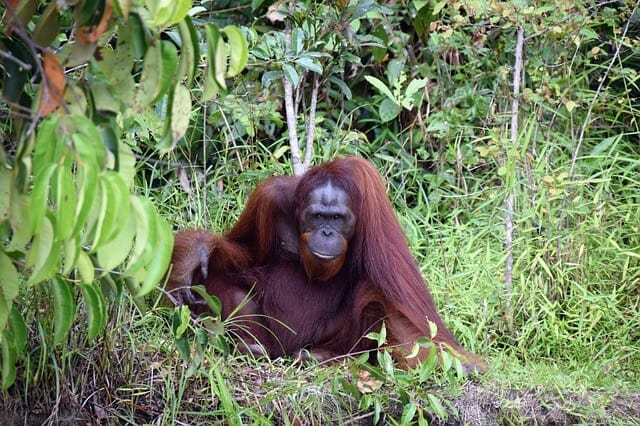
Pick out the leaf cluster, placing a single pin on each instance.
(75, 78)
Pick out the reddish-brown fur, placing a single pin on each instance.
(298, 303)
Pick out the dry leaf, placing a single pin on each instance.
(273, 13)
(92, 33)
(366, 383)
(53, 84)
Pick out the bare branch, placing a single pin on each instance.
(311, 122)
(289, 106)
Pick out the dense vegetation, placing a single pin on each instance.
(507, 134)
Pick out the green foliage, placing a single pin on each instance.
(69, 217)
(411, 389)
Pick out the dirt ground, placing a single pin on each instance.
(480, 405)
(477, 404)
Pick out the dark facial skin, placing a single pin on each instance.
(328, 221)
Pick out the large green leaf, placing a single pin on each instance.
(70, 250)
(238, 50)
(382, 88)
(8, 361)
(9, 287)
(216, 55)
(116, 251)
(189, 50)
(146, 234)
(96, 309)
(18, 329)
(92, 137)
(97, 216)
(5, 195)
(40, 197)
(64, 308)
(180, 11)
(20, 221)
(169, 54)
(151, 80)
(291, 74)
(43, 254)
(159, 264)
(87, 184)
(64, 197)
(47, 28)
(85, 267)
(179, 115)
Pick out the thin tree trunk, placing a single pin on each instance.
(509, 202)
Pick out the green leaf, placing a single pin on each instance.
(151, 80)
(64, 197)
(97, 216)
(85, 267)
(606, 145)
(213, 302)
(138, 33)
(211, 88)
(118, 188)
(9, 358)
(382, 88)
(180, 112)
(423, 18)
(5, 195)
(344, 88)
(18, 329)
(20, 221)
(86, 12)
(87, 142)
(111, 143)
(310, 64)
(169, 67)
(238, 49)
(47, 28)
(189, 51)
(45, 146)
(114, 196)
(14, 338)
(177, 120)
(436, 406)
(415, 86)
(180, 11)
(297, 41)
(127, 169)
(184, 347)
(122, 8)
(162, 11)
(95, 306)
(216, 55)
(116, 251)
(408, 413)
(291, 74)
(180, 323)
(43, 254)
(162, 257)
(64, 308)
(388, 110)
(146, 229)
(9, 283)
(40, 197)
(70, 250)
(87, 184)
(25, 10)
